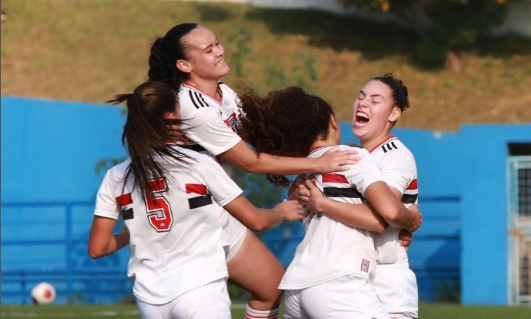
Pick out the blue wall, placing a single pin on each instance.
(484, 271)
(49, 152)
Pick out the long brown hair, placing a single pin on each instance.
(147, 133)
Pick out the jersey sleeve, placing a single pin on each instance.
(363, 173)
(206, 127)
(397, 168)
(106, 205)
(222, 188)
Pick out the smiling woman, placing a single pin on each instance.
(191, 60)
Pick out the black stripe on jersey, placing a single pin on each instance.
(128, 214)
(409, 198)
(194, 147)
(393, 143)
(199, 98)
(341, 192)
(192, 99)
(199, 201)
(202, 99)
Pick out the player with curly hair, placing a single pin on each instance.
(331, 273)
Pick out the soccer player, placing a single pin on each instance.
(330, 274)
(379, 105)
(191, 59)
(165, 195)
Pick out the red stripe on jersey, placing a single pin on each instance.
(387, 140)
(413, 185)
(158, 185)
(124, 200)
(218, 89)
(335, 178)
(196, 188)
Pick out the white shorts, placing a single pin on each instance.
(210, 301)
(348, 297)
(232, 233)
(396, 286)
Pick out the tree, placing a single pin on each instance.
(444, 26)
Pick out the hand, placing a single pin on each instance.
(335, 160)
(417, 218)
(290, 209)
(314, 199)
(406, 237)
(293, 191)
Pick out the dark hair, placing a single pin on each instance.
(285, 123)
(165, 52)
(146, 132)
(398, 89)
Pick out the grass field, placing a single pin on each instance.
(88, 50)
(427, 311)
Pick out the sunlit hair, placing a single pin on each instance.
(285, 123)
(398, 90)
(165, 52)
(147, 134)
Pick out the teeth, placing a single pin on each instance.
(362, 115)
(220, 62)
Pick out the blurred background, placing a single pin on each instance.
(466, 63)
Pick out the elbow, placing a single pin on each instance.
(258, 227)
(393, 215)
(95, 253)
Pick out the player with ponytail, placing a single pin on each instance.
(168, 197)
(191, 59)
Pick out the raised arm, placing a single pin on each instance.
(260, 219)
(332, 161)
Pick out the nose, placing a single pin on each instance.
(221, 50)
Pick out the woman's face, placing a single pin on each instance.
(374, 111)
(206, 56)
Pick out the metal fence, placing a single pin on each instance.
(75, 281)
(519, 229)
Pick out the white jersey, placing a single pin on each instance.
(331, 249)
(210, 123)
(399, 170)
(175, 237)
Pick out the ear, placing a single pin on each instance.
(333, 123)
(395, 114)
(184, 66)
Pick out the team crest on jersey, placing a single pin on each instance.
(231, 122)
(365, 265)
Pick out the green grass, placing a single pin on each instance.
(89, 50)
(427, 311)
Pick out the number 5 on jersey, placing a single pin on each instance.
(158, 209)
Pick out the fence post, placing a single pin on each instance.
(68, 252)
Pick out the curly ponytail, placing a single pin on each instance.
(165, 52)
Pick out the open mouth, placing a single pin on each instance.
(220, 62)
(362, 118)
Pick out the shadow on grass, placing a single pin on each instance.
(374, 40)
(213, 13)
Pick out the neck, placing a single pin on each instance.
(371, 143)
(210, 87)
(330, 141)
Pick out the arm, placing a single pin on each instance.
(384, 205)
(355, 215)
(102, 242)
(332, 161)
(259, 219)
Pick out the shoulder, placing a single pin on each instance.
(193, 99)
(117, 173)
